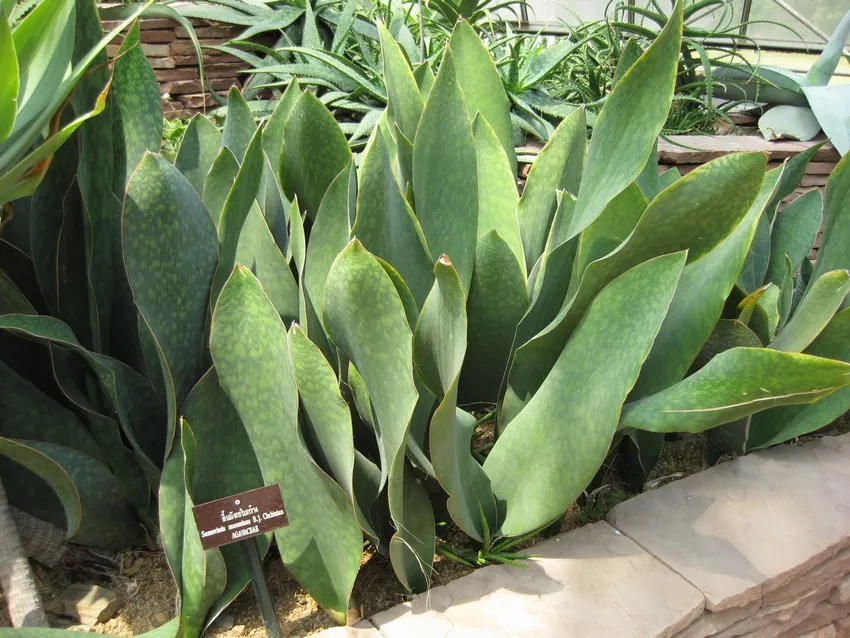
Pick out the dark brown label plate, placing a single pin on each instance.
(241, 516)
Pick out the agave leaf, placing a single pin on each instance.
(439, 346)
(107, 518)
(755, 267)
(239, 201)
(239, 125)
(816, 309)
(482, 87)
(682, 217)
(629, 123)
(138, 109)
(781, 424)
(698, 302)
(404, 101)
(225, 465)
(497, 276)
(558, 166)
(170, 253)
(821, 71)
(768, 84)
(828, 103)
(792, 174)
(497, 192)
(198, 150)
(789, 122)
(445, 180)
(365, 318)
(281, 17)
(580, 400)
(735, 384)
(321, 546)
(793, 234)
(314, 152)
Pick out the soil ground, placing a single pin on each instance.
(144, 581)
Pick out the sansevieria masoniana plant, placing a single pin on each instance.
(329, 323)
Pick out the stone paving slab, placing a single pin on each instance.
(751, 526)
(591, 582)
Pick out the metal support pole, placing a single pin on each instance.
(805, 21)
(261, 587)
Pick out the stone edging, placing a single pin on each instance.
(759, 546)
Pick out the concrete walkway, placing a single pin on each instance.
(759, 546)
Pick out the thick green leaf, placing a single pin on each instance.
(238, 204)
(482, 87)
(821, 71)
(12, 300)
(755, 266)
(695, 214)
(439, 346)
(424, 75)
(314, 152)
(273, 133)
(828, 103)
(365, 318)
(789, 122)
(558, 166)
(321, 546)
(564, 432)
(225, 465)
(497, 192)
(735, 384)
(219, 182)
(239, 126)
(698, 302)
(834, 253)
(170, 253)
(385, 223)
(328, 420)
(136, 98)
(793, 234)
(168, 630)
(445, 179)
(781, 424)
(198, 150)
(727, 334)
(629, 123)
(497, 302)
(107, 518)
(814, 312)
(404, 101)
(46, 469)
(792, 173)
(331, 231)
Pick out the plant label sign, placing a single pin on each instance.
(241, 516)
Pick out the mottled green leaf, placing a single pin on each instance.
(239, 126)
(497, 192)
(698, 302)
(404, 101)
(497, 301)
(814, 312)
(219, 183)
(385, 223)
(482, 87)
(629, 123)
(567, 427)
(755, 266)
(424, 75)
(834, 253)
(314, 152)
(735, 384)
(793, 234)
(321, 546)
(558, 166)
(198, 150)
(445, 180)
(695, 214)
(273, 133)
(365, 318)
(792, 173)
(170, 253)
